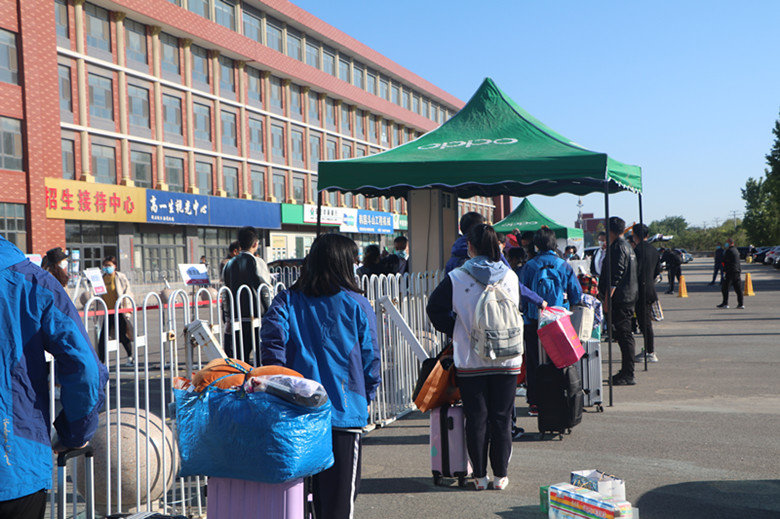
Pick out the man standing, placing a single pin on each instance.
(233, 251)
(250, 270)
(621, 282)
(673, 269)
(37, 316)
(460, 248)
(648, 268)
(401, 245)
(597, 261)
(718, 265)
(733, 275)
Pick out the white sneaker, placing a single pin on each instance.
(481, 483)
(500, 483)
(652, 357)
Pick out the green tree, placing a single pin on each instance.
(762, 220)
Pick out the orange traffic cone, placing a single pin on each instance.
(748, 290)
(682, 291)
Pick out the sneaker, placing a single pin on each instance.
(651, 357)
(130, 363)
(500, 483)
(517, 432)
(481, 483)
(741, 307)
(623, 381)
(533, 411)
(723, 305)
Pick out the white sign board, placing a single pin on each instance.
(194, 273)
(95, 278)
(331, 215)
(350, 220)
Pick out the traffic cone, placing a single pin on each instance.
(748, 285)
(682, 291)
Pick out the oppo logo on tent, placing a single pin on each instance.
(467, 144)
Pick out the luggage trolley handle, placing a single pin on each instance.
(62, 462)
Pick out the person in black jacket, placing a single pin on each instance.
(718, 264)
(648, 268)
(673, 269)
(246, 269)
(733, 275)
(620, 280)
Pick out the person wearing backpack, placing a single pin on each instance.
(555, 281)
(477, 304)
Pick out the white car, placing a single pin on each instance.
(769, 259)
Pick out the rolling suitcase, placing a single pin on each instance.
(560, 400)
(252, 500)
(449, 458)
(62, 476)
(590, 371)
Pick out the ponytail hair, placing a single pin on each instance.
(485, 241)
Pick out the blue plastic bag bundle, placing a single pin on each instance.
(252, 436)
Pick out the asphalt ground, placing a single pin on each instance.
(698, 436)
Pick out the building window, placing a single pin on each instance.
(383, 87)
(256, 137)
(135, 41)
(314, 150)
(228, 129)
(13, 224)
(68, 159)
(101, 100)
(395, 95)
(280, 186)
(230, 174)
(138, 106)
(313, 188)
(296, 140)
(257, 176)
(333, 198)
(277, 143)
(66, 93)
(200, 64)
(174, 173)
(405, 100)
(344, 70)
(360, 126)
(169, 54)
(141, 167)
(346, 151)
(299, 189)
(273, 35)
(255, 80)
(312, 53)
(371, 83)
(104, 164)
(276, 93)
(348, 200)
(172, 115)
(357, 76)
(61, 17)
(424, 108)
(199, 7)
(227, 81)
(203, 171)
(9, 66)
(384, 133)
(361, 201)
(98, 28)
(330, 149)
(159, 253)
(202, 119)
(11, 151)
(314, 108)
(330, 112)
(294, 49)
(346, 126)
(415, 104)
(252, 24)
(296, 110)
(225, 14)
(175, 2)
(372, 128)
(329, 62)
(360, 151)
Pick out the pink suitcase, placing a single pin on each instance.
(449, 458)
(251, 500)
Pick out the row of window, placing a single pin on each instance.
(9, 61)
(11, 148)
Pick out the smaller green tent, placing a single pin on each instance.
(526, 217)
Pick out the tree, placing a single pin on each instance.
(762, 218)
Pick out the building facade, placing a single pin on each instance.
(153, 129)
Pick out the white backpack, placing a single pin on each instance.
(497, 330)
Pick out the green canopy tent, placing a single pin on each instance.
(490, 147)
(526, 217)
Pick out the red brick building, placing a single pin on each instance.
(152, 129)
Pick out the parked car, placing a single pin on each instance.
(769, 258)
(777, 261)
(588, 252)
(758, 256)
(685, 256)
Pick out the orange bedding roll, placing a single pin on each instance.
(218, 368)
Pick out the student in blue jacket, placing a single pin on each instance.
(37, 316)
(325, 330)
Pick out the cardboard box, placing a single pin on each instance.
(601, 482)
(544, 499)
(570, 502)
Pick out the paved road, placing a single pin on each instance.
(698, 436)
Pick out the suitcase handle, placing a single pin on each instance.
(63, 457)
(450, 423)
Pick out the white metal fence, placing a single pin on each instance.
(135, 448)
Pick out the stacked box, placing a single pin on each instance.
(570, 502)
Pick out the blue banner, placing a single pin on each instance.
(374, 222)
(176, 208)
(232, 212)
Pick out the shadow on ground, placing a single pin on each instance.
(756, 499)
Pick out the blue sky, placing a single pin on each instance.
(689, 90)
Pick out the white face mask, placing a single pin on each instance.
(64, 264)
